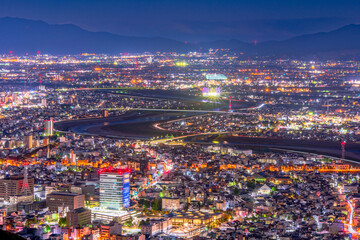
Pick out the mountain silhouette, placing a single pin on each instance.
(29, 36)
(342, 41)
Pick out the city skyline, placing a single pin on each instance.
(205, 119)
(172, 145)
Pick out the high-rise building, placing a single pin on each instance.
(28, 141)
(45, 142)
(43, 102)
(16, 186)
(115, 189)
(49, 127)
(72, 158)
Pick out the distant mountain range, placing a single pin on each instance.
(344, 41)
(28, 36)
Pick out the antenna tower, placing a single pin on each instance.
(25, 190)
(343, 150)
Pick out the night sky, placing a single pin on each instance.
(194, 20)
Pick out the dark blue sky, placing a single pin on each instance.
(192, 20)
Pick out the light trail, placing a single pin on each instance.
(351, 219)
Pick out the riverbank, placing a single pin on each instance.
(130, 125)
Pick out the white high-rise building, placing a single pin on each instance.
(49, 127)
(115, 189)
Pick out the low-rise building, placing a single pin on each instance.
(79, 216)
(156, 226)
(170, 203)
(73, 201)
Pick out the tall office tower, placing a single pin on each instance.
(115, 189)
(28, 141)
(49, 127)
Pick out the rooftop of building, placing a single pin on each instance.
(64, 194)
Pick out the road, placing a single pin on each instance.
(351, 219)
(152, 183)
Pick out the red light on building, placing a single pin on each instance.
(115, 170)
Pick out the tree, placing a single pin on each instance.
(30, 221)
(187, 205)
(251, 184)
(46, 229)
(129, 222)
(236, 191)
(36, 198)
(156, 205)
(146, 204)
(62, 222)
(226, 217)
